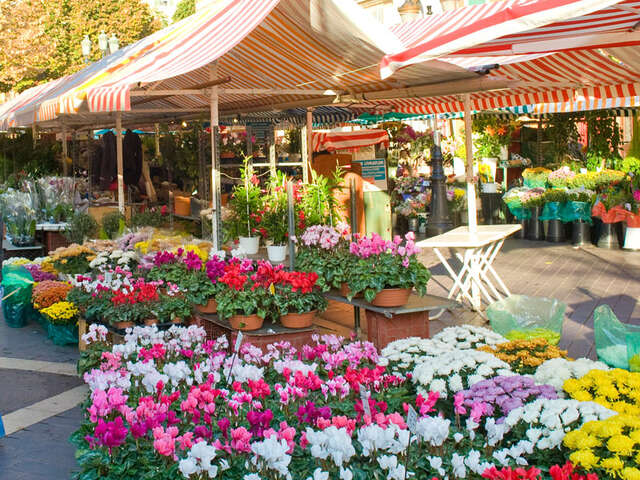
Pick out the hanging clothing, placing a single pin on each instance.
(108, 169)
(132, 158)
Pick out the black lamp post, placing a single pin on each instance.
(439, 221)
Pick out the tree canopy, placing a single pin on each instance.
(41, 39)
(184, 9)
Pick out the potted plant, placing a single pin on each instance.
(609, 208)
(386, 271)
(73, 259)
(294, 144)
(133, 305)
(246, 201)
(173, 308)
(81, 227)
(536, 177)
(456, 198)
(561, 178)
(412, 207)
(533, 201)
(554, 200)
(325, 250)
(577, 209)
(274, 225)
(487, 179)
(61, 322)
(248, 294)
(297, 299)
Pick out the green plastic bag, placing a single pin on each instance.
(572, 211)
(522, 317)
(633, 351)
(62, 334)
(535, 183)
(17, 283)
(551, 211)
(611, 337)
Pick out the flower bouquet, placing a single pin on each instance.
(297, 299)
(324, 250)
(74, 259)
(46, 293)
(561, 178)
(386, 271)
(133, 305)
(524, 356)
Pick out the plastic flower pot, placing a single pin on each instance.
(210, 307)
(632, 238)
(246, 322)
(580, 234)
(250, 245)
(150, 321)
(298, 320)
(122, 325)
(392, 297)
(345, 291)
(524, 317)
(413, 224)
(277, 253)
(535, 230)
(608, 238)
(555, 231)
(522, 233)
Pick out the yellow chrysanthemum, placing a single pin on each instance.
(580, 439)
(621, 444)
(584, 458)
(612, 464)
(609, 428)
(630, 473)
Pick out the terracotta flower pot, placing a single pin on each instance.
(298, 320)
(177, 321)
(122, 325)
(392, 297)
(246, 322)
(210, 307)
(150, 321)
(345, 290)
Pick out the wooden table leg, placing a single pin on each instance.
(382, 330)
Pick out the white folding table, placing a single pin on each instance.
(474, 280)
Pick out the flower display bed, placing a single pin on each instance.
(268, 334)
(172, 404)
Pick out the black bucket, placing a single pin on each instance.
(581, 234)
(555, 231)
(535, 230)
(608, 236)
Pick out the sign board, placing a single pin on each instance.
(374, 174)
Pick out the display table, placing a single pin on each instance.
(31, 252)
(387, 324)
(268, 334)
(52, 236)
(474, 279)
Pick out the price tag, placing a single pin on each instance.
(364, 395)
(238, 342)
(412, 419)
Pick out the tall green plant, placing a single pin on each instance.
(245, 203)
(604, 138)
(318, 202)
(561, 130)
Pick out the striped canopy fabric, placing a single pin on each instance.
(290, 46)
(352, 141)
(510, 27)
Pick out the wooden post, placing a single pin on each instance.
(308, 161)
(34, 134)
(216, 234)
(539, 142)
(471, 190)
(64, 151)
(157, 139)
(119, 162)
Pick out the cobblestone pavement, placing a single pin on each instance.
(39, 395)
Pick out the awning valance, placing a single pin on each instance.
(353, 141)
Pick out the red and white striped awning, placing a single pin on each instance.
(510, 27)
(296, 49)
(352, 141)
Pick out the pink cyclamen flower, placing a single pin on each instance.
(477, 411)
(165, 441)
(240, 439)
(458, 400)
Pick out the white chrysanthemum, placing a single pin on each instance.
(556, 371)
(466, 337)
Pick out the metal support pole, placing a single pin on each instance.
(272, 152)
(292, 226)
(539, 142)
(64, 152)
(1, 249)
(439, 221)
(119, 160)
(471, 190)
(249, 142)
(353, 212)
(216, 194)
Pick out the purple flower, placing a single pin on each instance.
(193, 261)
(215, 269)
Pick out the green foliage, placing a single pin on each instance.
(555, 195)
(18, 154)
(180, 153)
(491, 133)
(330, 265)
(63, 212)
(293, 137)
(562, 129)
(45, 37)
(184, 9)
(81, 226)
(604, 138)
(148, 218)
(113, 224)
(172, 308)
(274, 217)
(245, 203)
(318, 202)
(247, 301)
(286, 300)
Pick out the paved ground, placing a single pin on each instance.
(39, 395)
